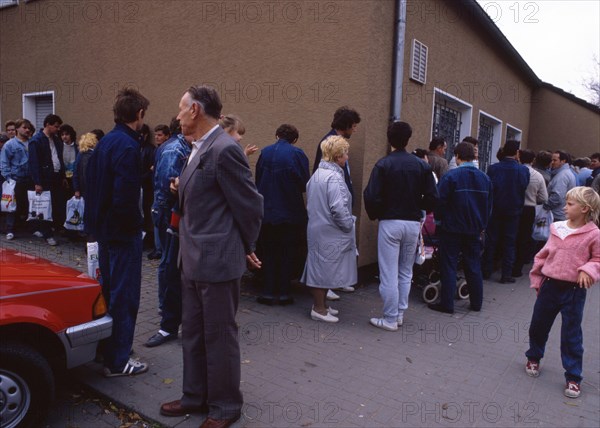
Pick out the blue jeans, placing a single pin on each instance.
(396, 250)
(568, 299)
(161, 217)
(121, 270)
(451, 244)
(505, 226)
(171, 307)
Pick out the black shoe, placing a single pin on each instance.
(158, 339)
(269, 301)
(507, 280)
(287, 300)
(154, 255)
(439, 308)
(474, 309)
(517, 274)
(486, 275)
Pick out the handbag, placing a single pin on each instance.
(8, 203)
(541, 224)
(40, 205)
(75, 209)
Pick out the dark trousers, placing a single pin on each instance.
(21, 188)
(161, 217)
(278, 246)
(504, 226)
(451, 245)
(121, 277)
(59, 202)
(524, 250)
(171, 281)
(568, 299)
(211, 352)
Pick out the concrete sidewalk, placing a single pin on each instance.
(465, 369)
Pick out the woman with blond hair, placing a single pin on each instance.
(234, 126)
(87, 143)
(331, 261)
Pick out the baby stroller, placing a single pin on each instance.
(427, 275)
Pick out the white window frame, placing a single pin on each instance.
(514, 128)
(413, 58)
(465, 108)
(497, 142)
(29, 104)
(8, 3)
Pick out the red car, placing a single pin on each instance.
(51, 317)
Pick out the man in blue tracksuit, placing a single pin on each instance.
(510, 180)
(113, 216)
(463, 211)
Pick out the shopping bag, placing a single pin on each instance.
(75, 208)
(9, 203)
(40, 206)
(420, 254)
(93, 261)
(541, 224)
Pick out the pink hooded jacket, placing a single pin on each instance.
(563, 259)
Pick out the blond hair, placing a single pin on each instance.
(87, 142)
(232, 122)
(586, 197)
(334, 147)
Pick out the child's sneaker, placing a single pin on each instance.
(532, 368)
(572, 390)
(132, 368)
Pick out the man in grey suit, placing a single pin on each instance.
(221, 213)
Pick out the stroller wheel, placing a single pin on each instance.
(462, 289)
(431, 293)
(435, 277)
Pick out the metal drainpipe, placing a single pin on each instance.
(398, 59)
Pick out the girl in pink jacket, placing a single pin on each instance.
(562, 272)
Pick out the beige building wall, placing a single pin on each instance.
(272, 62)
(559, 123)
(464, 61)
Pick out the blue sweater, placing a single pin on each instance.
(113, 177)
(465, 203)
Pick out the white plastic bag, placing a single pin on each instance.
(40, 206)
(541, 224)
(75, 208)
(9, 203)
(93, 260)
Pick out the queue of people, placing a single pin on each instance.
(133, 183)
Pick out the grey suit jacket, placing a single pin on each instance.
(221, 211)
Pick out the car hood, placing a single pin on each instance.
(22, 273)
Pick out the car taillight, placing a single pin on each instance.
(99, 309)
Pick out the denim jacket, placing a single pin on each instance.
(170, 159)
(14, 160)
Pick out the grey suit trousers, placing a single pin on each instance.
(211, 351)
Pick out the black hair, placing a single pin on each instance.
(98, 133)
(526, 156)
(471, 140)
(208, 99)
(436, 142)
(52, 119)
(287, 132)
(398, 134)
(563, 156)
(127, 105)
(69, 130)
(344, 117)
(465, 151)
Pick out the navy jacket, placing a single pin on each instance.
(400, 187)
(281, 177)
(40, 159)
(465, 203)
(346, 167)
(113, 177)
(510, 179)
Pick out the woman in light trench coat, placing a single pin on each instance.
(331, 261)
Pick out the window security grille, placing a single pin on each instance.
(418, 68)
(446, 124)
(486, 139)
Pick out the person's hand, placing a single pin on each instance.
(253, 262)
(250, 149)
(584, 280)
(78, 194)
(38, 188)
(174, 186)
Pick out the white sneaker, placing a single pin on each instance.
(52, 242)
(332, 311)
(332, 296)
(38, 234)
(346, 289)
(318, 317)
(383, 324)
(10, 236)
(400, 321)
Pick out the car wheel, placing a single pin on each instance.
(26, 386)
